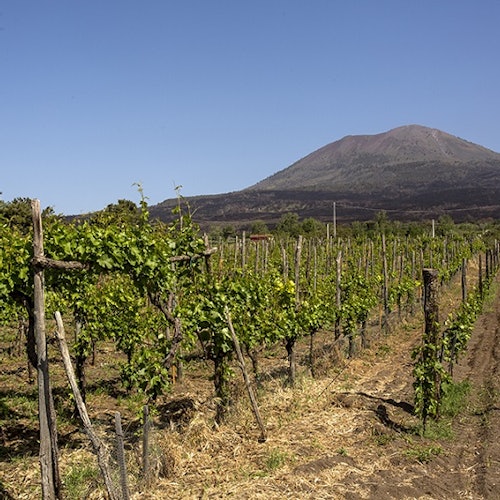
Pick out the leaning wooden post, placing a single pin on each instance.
(97, 444)
(48, 439)
(246, 378)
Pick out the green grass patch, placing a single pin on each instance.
(80, 480)
(437, 430)
(19, 406)
(384, 350)
(455, 398)
(383, 439)
(275, 460)
(424, 454)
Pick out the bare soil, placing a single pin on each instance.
(348, 433)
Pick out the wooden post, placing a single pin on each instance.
(480, 275)
(284, 261)
(430, 351)
(120, 454)
(241, 361)
(431, 309)
(208, 265)
(243, 251)
(48, 437)
(327, 259)
(257, 256)
(298, 253)
(98, 445)
(291, 339)
(487, 263)
(385, 292)
(338, 295)
(464, 280)
(145, 445)
(334, 220)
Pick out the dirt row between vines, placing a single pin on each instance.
(347, 434)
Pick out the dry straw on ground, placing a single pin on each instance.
(349, 433)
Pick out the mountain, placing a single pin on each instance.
(412, 172)
(406, 156)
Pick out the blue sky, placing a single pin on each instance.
(215, 95)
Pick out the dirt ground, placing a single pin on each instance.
(468, 463)
(352, 435)
(349, 433)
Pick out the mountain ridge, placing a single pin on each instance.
(359, 158)
(411, 171)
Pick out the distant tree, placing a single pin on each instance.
(228, 232)
(358, 229)
(414, 229)
(381, 222)
(312, 227)
(445, 225)
(289, 225)
(17, 213)
(123, 212)
(259, 227)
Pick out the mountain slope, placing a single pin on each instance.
(409, 156)
(412, 172)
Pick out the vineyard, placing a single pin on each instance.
(276, 366)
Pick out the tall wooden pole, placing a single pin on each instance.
(385, 291)
(48, 452)
(431, 340)
(335, 220)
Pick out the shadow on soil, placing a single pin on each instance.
(358, 400)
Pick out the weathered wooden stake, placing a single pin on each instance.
(120, 454)
(98, 445)
(385, 291)
(145, 444)
(48, 435)
(338, 295)
(464, 280)
(243, 251)
(480, 275)
(246, 378)
(430, 352)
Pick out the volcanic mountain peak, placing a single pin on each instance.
(414, 172)
(362, 158)
(417, 143)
